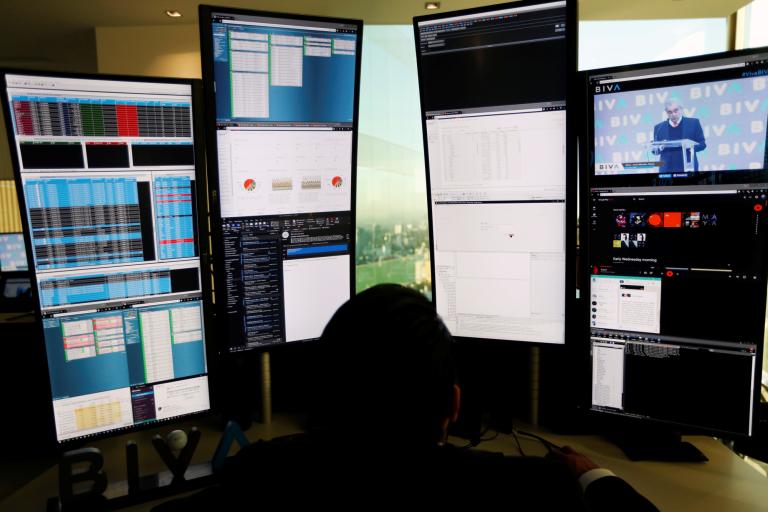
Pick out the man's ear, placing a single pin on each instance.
(455, 403)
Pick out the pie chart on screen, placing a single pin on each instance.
(249, 185)
(337, 182)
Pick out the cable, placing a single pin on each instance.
(549, 445)
(480, 439)
(519, 446)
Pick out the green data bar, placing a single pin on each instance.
(92, 120)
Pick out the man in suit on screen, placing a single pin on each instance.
(677, 127)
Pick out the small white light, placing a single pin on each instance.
(431, 6)
(173, 14)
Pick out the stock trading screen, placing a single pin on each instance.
(285, 107)
(496, 161)
(109, 185)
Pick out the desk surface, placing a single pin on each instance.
(724, 483)
(17, 317)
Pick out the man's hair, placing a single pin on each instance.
(674, 100)
(387, 368)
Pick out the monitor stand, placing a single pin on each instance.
(657, 445)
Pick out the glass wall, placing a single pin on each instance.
(753, 25)
(392, 232)
(615, 43)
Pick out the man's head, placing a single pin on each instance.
(387, 370)
(673, 109)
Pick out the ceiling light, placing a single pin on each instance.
(173, 14)
(431, 6)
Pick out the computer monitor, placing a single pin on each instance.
(282, 96)
(107, 169)
(15, 288)
(675, 230)
(721, 101)
(499, 177)
(13, 257)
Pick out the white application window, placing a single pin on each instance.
(156, 344)
(181, 397)
(314, 290)
(287, 61)
(250, 95)
(626, 303)
(90, 414)
(496, 156)
(281, 171)
(607, 374)
(79, 340)
(187, 324)
(499, 270)
(109, 334)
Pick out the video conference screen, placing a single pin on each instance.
(701, 122)
(109, 185)
(13, 256)
(285, 108)
(677, 241)
(493, 95)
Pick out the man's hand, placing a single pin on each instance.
(577, 463)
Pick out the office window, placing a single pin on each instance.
(392, 233)
(619, 42)
(752, 25)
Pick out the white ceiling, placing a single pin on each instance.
(57, 34)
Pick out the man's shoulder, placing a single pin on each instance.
(691, 121)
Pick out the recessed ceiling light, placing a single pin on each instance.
(173, 14)
(431, 6)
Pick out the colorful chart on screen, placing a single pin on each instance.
(109, 183)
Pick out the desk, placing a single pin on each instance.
(725, 483)
(17, 317)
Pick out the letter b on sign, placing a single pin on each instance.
(69, 477)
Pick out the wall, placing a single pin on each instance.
(6, 169)
(75, 54)
(150, 50)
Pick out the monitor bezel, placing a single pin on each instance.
(571, 168)
(206, 53)
(203, 248)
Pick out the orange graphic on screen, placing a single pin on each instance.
(249, 185)
(673, 219)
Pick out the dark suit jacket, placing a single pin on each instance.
(298, 471)
(672, 158)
